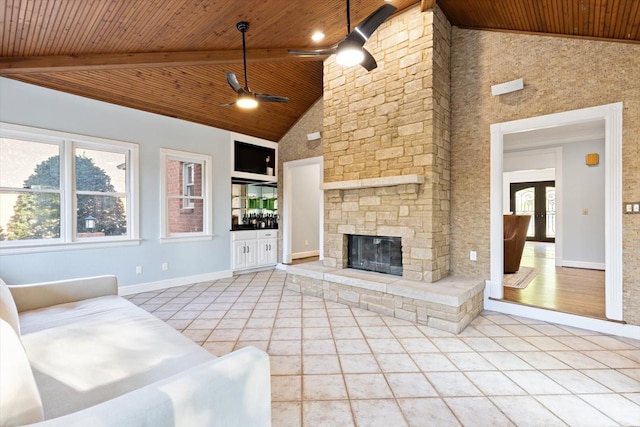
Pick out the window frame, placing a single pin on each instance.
(186, 157)
(68, 143)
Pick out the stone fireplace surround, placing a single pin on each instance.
(375, 206)
(385, 206)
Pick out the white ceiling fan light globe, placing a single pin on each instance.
(247, 102)
(349, 56)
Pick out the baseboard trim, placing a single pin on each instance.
(306, 254)
(171, 283)
(584, 264)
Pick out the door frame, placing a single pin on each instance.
(287, 205)
(612, 116)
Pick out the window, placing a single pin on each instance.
(186, 194)
(61, 190)
(188, 184)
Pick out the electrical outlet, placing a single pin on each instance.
(628, 207)
(473, 256)
(138, 269)
(165, 266)
(306, 243)
(636, 207)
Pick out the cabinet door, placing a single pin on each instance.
(239, 254)
(267, 251)
(272, 257)
(251, 254)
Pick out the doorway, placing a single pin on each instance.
(538, 200)
(611, 118)
(302, 210)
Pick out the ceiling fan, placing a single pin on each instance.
(351, 51)
(246, 98)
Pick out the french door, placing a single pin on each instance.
(537, 199)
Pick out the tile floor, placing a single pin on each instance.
(333, 365)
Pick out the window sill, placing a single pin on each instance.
(55, 247)
(182, 239)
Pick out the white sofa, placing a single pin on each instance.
(74, 353)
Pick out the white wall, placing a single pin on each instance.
(306, 195)
(584, 234)
(31, 105)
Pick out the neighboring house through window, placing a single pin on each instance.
(60, 190)
(186, 195)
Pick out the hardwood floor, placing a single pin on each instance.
(303, 260)
(569, 290)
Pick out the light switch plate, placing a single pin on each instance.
(631, 208)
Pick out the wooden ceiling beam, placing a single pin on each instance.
(45, 64)
(427, 5)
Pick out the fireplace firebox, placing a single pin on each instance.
(381, 254)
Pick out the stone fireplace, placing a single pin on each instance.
(386, 149)
(386, 145)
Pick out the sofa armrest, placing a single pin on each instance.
(45, 294)
(233, 390)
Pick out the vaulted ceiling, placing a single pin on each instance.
(170, 56)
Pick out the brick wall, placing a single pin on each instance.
(183, 220)
(560, 74)
(389, 122)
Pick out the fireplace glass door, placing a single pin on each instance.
(375, 253)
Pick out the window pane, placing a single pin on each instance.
(28, 216)
(185, 220)
(101, 216)
(184, 178)
(100, 171)
(25, 164)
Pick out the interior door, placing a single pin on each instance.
(537, 199)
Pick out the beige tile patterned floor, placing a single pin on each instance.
(333, 365)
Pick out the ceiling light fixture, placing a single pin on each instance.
(317, 36)
(246, 101)
(348, 56)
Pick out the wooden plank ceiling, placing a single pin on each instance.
(170, 56)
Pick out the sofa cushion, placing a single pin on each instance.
(19, 398)
(8, 309)
(90, 351)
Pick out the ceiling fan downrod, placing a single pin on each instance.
(243, 27)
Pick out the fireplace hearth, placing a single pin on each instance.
(380, 254)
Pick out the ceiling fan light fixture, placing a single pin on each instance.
(247, 101)
(349, 56)
(317, 36)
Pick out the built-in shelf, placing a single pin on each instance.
(384, 181)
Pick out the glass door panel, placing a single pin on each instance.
(537, 199)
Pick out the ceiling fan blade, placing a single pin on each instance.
(271, 98)
(233, 82)
(369, 62)
(317, 52)
(373, 21)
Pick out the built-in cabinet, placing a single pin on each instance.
(254, 248)
(254, 202)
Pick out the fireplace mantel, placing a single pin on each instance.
(384, 181)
